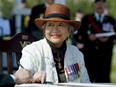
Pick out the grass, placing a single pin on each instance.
(113, 68)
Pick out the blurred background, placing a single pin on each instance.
(7, 6)
(11, 8)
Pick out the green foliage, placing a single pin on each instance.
(112, 5)
(6, 7)
(35, 2)
(113, 66)
(88, 6)
(85, 5)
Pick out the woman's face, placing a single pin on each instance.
(56, 32)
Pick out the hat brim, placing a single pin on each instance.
(40, 21)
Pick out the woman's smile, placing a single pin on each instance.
(56, 36)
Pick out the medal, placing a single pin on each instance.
(59, 63)
(59, 58)
(71, 77)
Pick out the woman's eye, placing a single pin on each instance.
(62, 25)
(50, 24)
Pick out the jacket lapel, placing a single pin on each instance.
(68, 57)
(50, 64)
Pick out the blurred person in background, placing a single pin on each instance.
(23, 17)
(97, 35)
(37, 11)
(78, 16)
(106, 11)
(24, 3)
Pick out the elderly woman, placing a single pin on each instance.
(52, 59)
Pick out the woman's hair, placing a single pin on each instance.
(70, 29)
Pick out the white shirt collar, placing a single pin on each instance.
(97, 16)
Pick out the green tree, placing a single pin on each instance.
(6, 7)
(88, 6)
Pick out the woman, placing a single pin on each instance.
(51, 59)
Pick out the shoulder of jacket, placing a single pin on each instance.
(86, 17)
(109, 17)
(72, 48)
(33, 45)
(91, 14)
(78, 55)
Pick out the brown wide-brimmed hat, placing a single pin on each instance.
(57, 12)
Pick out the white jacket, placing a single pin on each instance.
(38, 56)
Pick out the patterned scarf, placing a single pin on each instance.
(58, 54)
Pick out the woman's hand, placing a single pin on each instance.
(39, 77)
(23, 76)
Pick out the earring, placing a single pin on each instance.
(68, 35)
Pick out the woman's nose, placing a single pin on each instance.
(55, 28)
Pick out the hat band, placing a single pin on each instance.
(57, 15)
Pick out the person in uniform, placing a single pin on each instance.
(37, 12)
(78, 16)
(97, 34)
(51, 59)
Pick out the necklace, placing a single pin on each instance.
(59, 58)
(59, 62)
